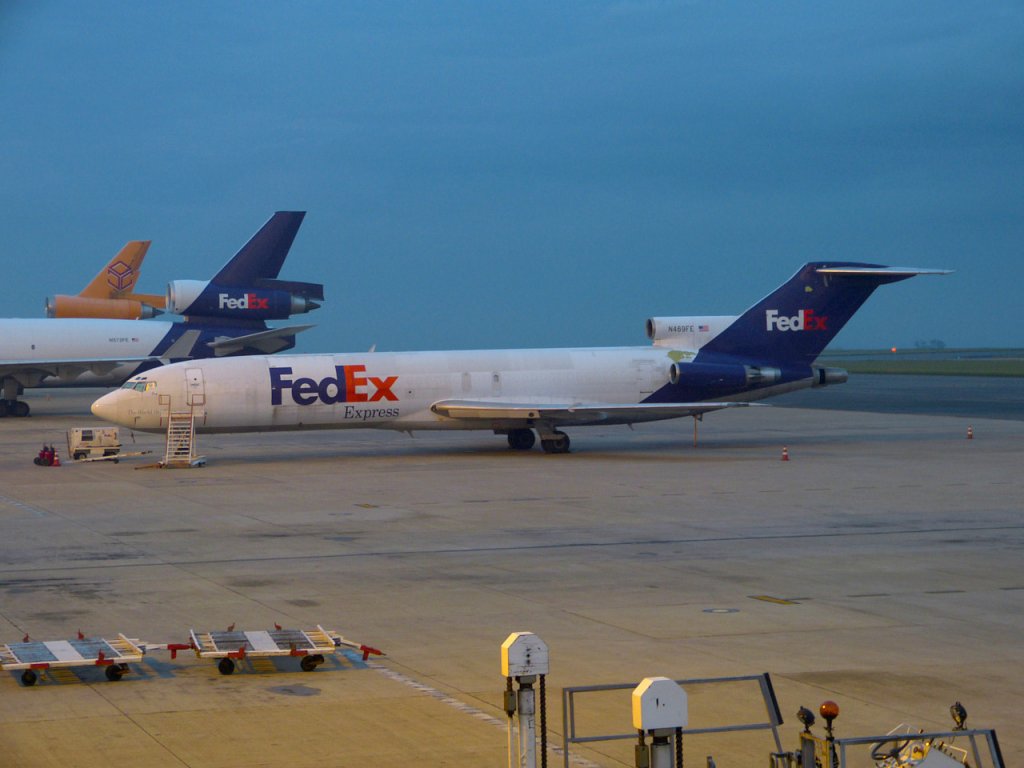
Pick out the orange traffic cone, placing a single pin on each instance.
(970, 433)
(785, 453)
(56, 459)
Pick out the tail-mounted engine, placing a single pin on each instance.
(266, 300)
(709, 374)
(140, 307)
(686, 332)
(825, 376)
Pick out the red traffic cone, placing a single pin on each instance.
(785, 453)
(970, 433)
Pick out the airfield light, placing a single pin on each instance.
(893, 350)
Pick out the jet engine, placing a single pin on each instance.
(267, 300)
(114, 309)
(708, 374)
(686, 332)
(825, 376)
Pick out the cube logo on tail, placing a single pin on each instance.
(120, 275)
(803, 320)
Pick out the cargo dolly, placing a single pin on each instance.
(309, 646)
(34, 656)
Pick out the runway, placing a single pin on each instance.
(880, 567)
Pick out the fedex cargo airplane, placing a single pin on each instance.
(223, 316)
(109, 294)
(695, 365)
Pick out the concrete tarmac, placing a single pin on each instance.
(881, 567)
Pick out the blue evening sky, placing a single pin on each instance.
(525, 173)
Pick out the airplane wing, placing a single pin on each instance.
(268, 342)
(573, 414)
(30, 372)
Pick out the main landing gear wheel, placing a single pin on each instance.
(309, 663)
(13, 408)
(521, 439)
(29, 677)
(558, 443)
(225, 666)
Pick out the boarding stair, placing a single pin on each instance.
(181, 431)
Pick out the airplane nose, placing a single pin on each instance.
(106, 407)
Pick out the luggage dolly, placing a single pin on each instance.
(310, 646)
(33, 656)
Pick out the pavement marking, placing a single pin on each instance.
(467, 709)
(34, 511)
(776, 600)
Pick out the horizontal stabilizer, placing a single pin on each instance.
(579, 414)
(882, 271)
(265, 342)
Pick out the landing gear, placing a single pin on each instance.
(521, 439)
(13, 408)
(558, 442)
(10, 405)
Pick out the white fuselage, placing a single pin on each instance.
(389, 390)
(53, 342)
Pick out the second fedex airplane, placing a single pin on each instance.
(696, 365)
(222, 316)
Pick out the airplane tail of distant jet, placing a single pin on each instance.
(794, 323)
(264, 254)
(110, 293)
(246, 289)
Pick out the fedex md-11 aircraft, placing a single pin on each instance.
(695, 365)
(223, 316)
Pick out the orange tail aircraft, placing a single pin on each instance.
(109, 294)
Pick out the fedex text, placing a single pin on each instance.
(803, 320)
(246, 301)
(349, 384)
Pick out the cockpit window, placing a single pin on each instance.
(140, 386)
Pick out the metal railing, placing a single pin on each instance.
(771, 706)
(986, 735)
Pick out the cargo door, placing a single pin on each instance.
(195, 394)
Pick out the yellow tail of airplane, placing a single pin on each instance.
(109, 294)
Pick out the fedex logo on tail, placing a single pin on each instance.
(247, 301)
(803, 320)
(347, 385)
